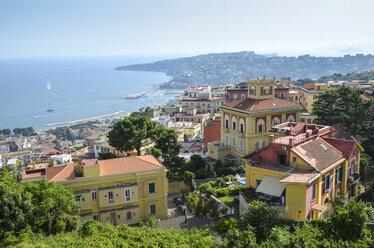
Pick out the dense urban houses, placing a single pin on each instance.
(191, 115)
(244, 122)
(303, 169)
(117, 191)
(200, 97)
(239, 91)
(308, 94)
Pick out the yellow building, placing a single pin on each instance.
(117, 191)
(244, 123)
(308, 94)
(102, 146)
(304, 169)
(192, 130)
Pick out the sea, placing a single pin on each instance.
(74, 88)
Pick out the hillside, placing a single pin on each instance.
(220, 68)
(365, 75)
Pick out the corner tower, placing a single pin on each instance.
(261, 88)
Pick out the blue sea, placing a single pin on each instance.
(75, 88)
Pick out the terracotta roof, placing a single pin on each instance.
(129, 165)
(344, 146)
(52, 151)
(89, 163)
(48, 172)
(257, 105)
(53, 171)
(318, 153)
(66, 174)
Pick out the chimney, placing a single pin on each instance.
(290, 141)
(271, 138)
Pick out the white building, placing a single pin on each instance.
(62, 159)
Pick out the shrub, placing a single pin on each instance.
(202, 173)
(91, 227)
(226, 224)
(229, 178)
(204, 187)
(236, 189)
(222, 192)
(211, 191)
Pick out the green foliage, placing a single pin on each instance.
(262, 217)
(51, 163)
(349, 223)
(211, 191)
(236, 189)
(193, 200)
(346, 107)
(38, 207)
(226, 224)
(241, 238)
(222, 192)
(129, 133)
(91, 227)
(205, 186)
(230, 178)
(6, 132)
(150, 222)
(189, 179)
(166, 141)
(28, 131)
(106, 155)
(63, 133)
(223, 169)
(202, 173)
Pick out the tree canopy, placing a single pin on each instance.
(346, 107)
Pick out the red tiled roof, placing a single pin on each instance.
(249, 104)
(131, 164)
(51, 151)
(66, 174)
(217, 98)
(344, 146)
(89, 163)
(318, 153)
(53, 171)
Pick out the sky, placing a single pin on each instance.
(60, 28)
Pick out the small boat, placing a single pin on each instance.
(49, 110)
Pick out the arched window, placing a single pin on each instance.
(266, 90)
(243, 96)
(233, 120)
(241, 125)
(257, 146)
(275, 121)
(291, 118)
(227, 119)
(263, 143)
(282, 95)
(260, 126)
(252, 90)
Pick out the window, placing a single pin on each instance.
(226, 140)
(314, 192)
(309, 121)
(257, 145)
(352, 191)
(243, 96)
(327, 183)
(96, 217)
(266, 90)
(151, 188)
(235, 96)
(241, 145)
(258, 183)
(276, 121)
(233, 142)
(339, 174)
(263, 143)
(153, 209)
(260, 126)
(191, 104)
(129, 215)
(326, 214)
(94, 195)
(226, 121)
(293, 159)
(119, 216)
(127, 195)
(291, 118)
(83, 199)
(282, 95)
(253, 90)
(78, 200)
(111, 199)
(242, 128)
(352, 167)
(295, 97)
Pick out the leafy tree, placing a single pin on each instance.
(129, 133)
(51, 163)
(167, 142)
(188, 178)
(349, 223)
(6, 131)
(106, 155)
(346, 107)
(262, 217)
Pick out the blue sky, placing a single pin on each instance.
(53, 28)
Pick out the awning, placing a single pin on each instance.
(271, 186)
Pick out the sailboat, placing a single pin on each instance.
(49, 87)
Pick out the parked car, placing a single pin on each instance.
(178, 201)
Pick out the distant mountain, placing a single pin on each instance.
(221, 68)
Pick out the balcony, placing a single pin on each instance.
(111, 201)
